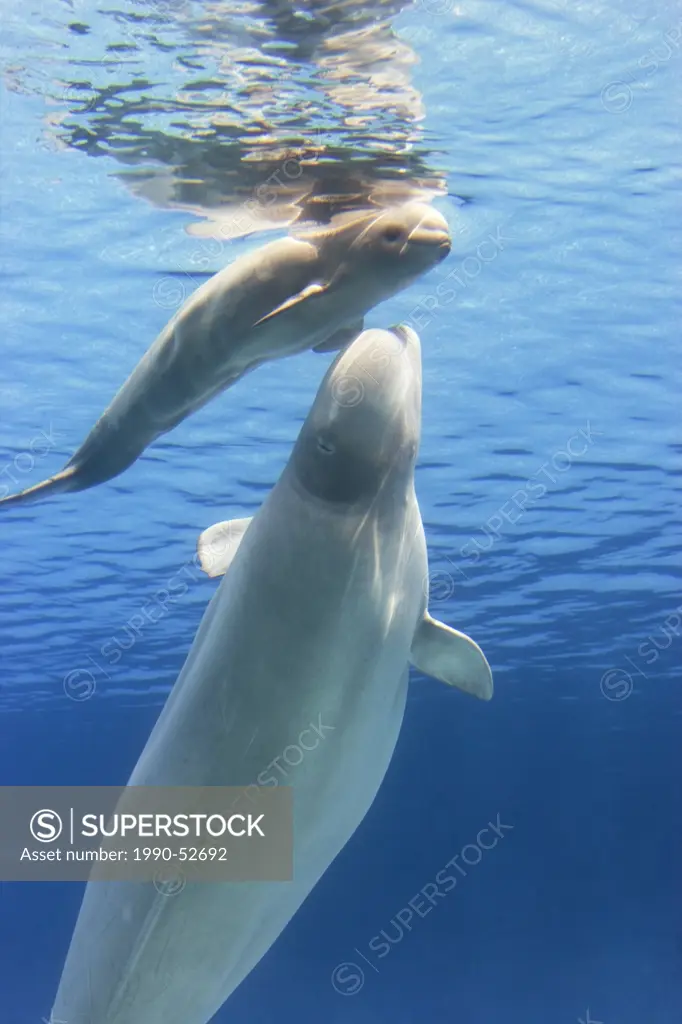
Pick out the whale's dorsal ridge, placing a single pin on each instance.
(218, 545)
(451, 657)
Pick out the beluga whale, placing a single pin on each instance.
(321, 608)
(311, 291)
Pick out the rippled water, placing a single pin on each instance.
(549, 474)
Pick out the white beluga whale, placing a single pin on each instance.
(321, 609)
(293, 294)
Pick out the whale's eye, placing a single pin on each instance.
(392, 235)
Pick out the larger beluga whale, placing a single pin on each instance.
(293, 294)
(321, 609)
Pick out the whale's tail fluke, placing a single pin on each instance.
(68, 479)
(104, 454)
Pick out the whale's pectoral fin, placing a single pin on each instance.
(452, 657)
(218, 545)
(295, 300)
(340, 338)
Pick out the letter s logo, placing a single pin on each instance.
(46, 826)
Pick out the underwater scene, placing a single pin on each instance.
(340, 481)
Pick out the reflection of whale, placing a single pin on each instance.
(293, 294)
(239, 91)
(306, 641)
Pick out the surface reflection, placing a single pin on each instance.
(251, 114)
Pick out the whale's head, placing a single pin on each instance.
(371, 254)
(402, 242)
(362, 434)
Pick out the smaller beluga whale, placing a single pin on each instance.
(321, 608)
(311, 291)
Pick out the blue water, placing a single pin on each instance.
(549, 482)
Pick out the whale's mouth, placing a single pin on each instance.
(402, 332)
(435, 236)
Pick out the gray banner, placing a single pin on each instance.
(166, 834)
